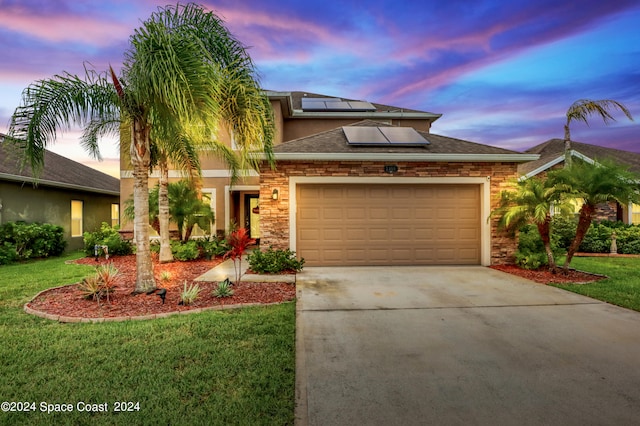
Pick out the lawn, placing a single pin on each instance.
(215, 367)
(622, 288)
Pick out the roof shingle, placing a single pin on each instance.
(335, 141)
(57, 171)
(553, 150)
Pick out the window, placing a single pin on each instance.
(635, 214)
(576, 203)
(209, 197)
(115, 215)
(76, 218)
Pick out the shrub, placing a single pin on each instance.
(597, 239)
(530, 253)
(212, 246)
(22, 241)
(185, 251)
(189, 294)
(273, 261)
(224, 289)
(154, 246)
(101, 284)
(107, 236)
(8, 253)
(628, 239)
(563, 231)
(531, 260)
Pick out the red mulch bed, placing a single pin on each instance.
(543, 276)
(68, 301)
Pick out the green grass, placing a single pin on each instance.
(622, 288)
(231, 367)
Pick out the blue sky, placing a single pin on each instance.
(501, 72)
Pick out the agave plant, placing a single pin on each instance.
(101, 284)
(224, 289)
(189, 294)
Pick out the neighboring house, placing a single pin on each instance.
(67, 193)
(360, 183)
(552, 156)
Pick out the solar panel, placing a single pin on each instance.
(361, 106)
(383, 136)
(359, 135)
(338, 106)
(335, 104)
(403, 136)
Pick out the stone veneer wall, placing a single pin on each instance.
(274, 214)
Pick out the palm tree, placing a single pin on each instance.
(581, 109)
(187, 209)
(245, 109)
(594, 184)
(531, 201)
(169, 81)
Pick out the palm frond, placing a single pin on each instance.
(59, 103)
(582, 109)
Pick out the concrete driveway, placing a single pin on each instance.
(459, 346)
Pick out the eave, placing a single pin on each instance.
(372, 115)
(63, 185)
(404, 156)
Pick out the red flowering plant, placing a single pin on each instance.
(239, 240)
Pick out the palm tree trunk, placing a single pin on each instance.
(567, 146)
(140, 159)
(544, 229)
(163, 213)
(586, 216)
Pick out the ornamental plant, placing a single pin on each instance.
(238, 241)
(189, 294)
(272, 261)
(101, 284)
(224, 289)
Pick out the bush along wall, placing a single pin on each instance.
(23, 241)
(107, 236)
(598, 238)
(531, 255)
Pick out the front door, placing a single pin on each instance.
(252, 215)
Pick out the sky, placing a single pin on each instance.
(501, 72)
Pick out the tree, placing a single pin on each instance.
(187, 209)
(244, 107)
(594, 184)
(531, 201)
(581, 109)
(170, 84)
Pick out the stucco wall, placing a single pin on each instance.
(274, 221)
(51, 205)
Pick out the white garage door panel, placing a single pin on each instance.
(402, 224)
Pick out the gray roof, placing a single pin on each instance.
(335, 142)
(552, 152)
(296, 99)
(58, 171)
(293, 108)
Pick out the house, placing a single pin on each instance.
(67, 193)
(552, 155)
(362, 183)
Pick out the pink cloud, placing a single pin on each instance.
(276, 36)
(63, 28)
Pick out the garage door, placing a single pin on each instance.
(360, 224)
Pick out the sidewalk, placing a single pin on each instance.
(226, 270)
